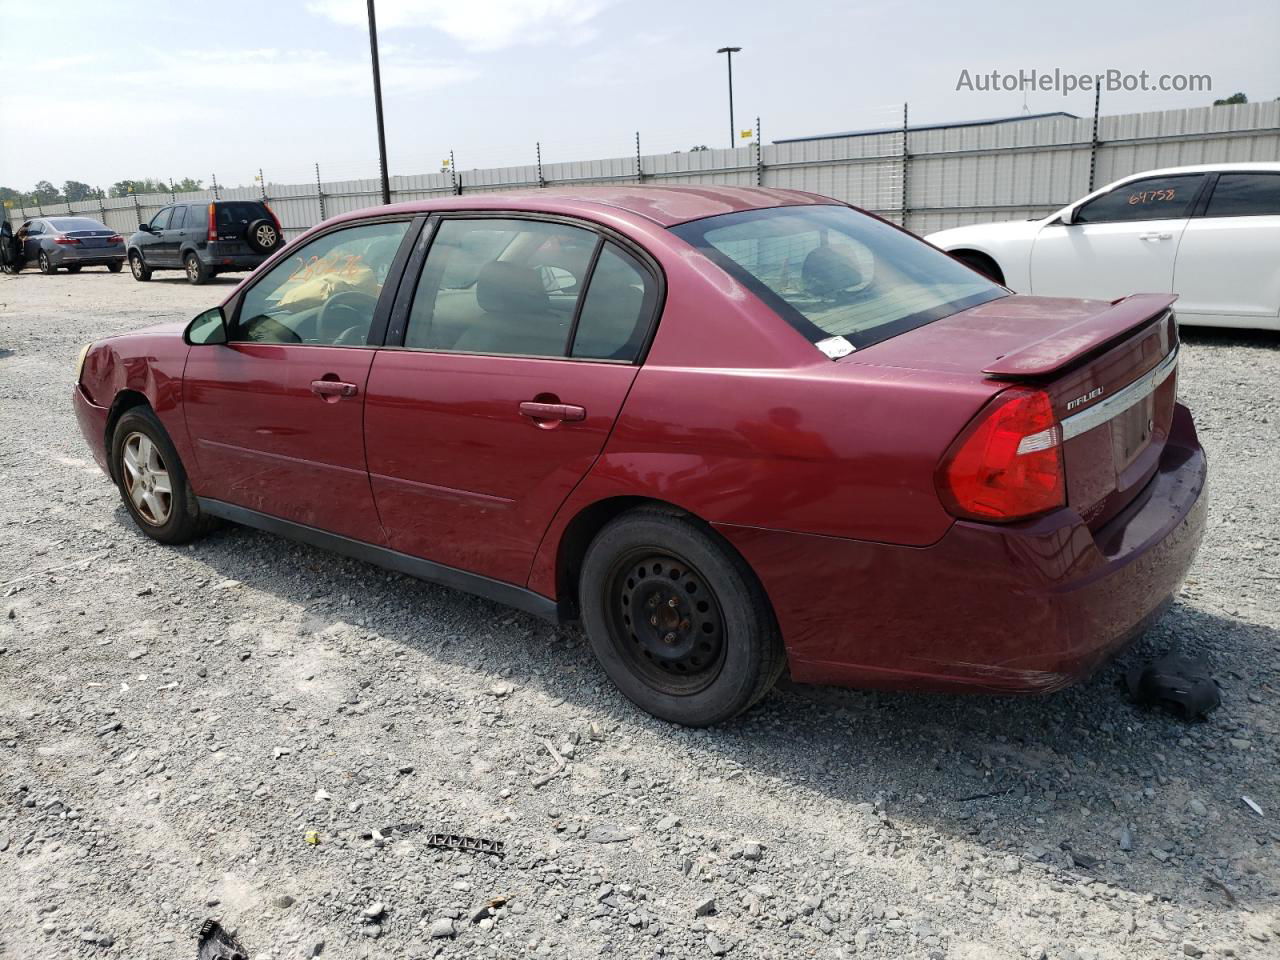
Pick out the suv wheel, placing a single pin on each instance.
(196, 273)
(45, 265)
(677, 619)
(139, 267)
(263, 236)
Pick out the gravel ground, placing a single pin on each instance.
(178, 725)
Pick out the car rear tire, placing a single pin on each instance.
(46, 265)
(195, 270)
(115, 267)
(74, 267)
(982, 263)
(262, 236)
(677, 619)
(152, 481)
(138, 266)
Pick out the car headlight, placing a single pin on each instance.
(84, 352)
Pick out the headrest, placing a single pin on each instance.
(510, 288)
(826, 272)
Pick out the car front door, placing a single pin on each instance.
(519, 346)
(1121, 242)
(151, 242)
(170, 238)
(275, 415)
(1228, 268)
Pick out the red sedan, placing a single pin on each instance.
(734, 431)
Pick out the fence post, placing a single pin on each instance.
(639, 166)
(541, 182)
(137, 207)
(173, 192)
(759, 156)
(102, 207)
(906, 162)
(262, 185)
(453, 175)
(214, 177)
(1093, 140)
(320, 193)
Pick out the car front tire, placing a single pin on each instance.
(677, 619)
(138, 267)
(152, 481)
(46, 265)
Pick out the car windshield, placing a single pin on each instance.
(76, 223)
(844, 279)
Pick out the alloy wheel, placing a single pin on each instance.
(146, 479)
(135, 265)
(193, 269)
(266, 236)
(666, 621)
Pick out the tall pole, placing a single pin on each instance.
(377, 104)
(733, 130)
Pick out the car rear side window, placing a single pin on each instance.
(616, 310)
(326, 292)
(179, 218)
(1152, 198)
(1245, 195)
(497, 286)
(833, 272)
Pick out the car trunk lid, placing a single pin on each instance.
(1109, 369)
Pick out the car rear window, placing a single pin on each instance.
(240, 211)
(844, 279)
(76, 223)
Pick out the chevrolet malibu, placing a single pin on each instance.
(732, 431)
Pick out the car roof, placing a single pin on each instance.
(665, 205)
(1258, 166)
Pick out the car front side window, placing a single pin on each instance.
(326, 292)
(161, 220)
(1152, 198)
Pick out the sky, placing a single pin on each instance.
(139, 88)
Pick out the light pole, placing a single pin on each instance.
(377, 104)
(728, 52)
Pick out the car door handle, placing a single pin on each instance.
(553, 411)
(333, 388)
(1155, 236)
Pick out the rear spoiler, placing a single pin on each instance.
(1070, 344)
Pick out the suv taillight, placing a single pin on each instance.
(213, 223)
(1007, 464)
(274, 219)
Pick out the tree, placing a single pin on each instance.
(1234, 98)
(187, 185)
(75, 191)
(44, 192)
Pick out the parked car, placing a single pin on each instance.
(728, 429)
(1210, 234)
(72, 242)
(205, 239)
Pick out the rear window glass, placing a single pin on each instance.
(1245, 195)
(835, 273)
(76, 223)
(240, 211)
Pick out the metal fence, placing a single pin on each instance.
(925, 178)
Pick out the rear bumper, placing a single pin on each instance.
(88, 257)
(1027, 608)
(93, 425)
(216, 259)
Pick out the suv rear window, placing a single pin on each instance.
(833, 272)
(232, 212)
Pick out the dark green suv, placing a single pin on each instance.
(205, 239)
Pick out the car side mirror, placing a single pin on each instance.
(144, 227)
(208, 329)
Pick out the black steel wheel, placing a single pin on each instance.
(665, 621)
(677, 619)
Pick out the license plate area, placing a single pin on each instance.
(1131, 432)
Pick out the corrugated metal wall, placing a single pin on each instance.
(952, 175)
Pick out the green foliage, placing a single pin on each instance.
(76, 191)
(1234, 98)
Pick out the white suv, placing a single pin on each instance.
(1209, 233)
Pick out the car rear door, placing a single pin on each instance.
(276, 414)
(518, 341)
(1121, 242)
(1228, 267)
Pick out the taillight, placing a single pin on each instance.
(274, 219)
(115, 238)
(213, 223)
(1007, 464)
(65, 241)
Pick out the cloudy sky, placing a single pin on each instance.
(98, 91)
